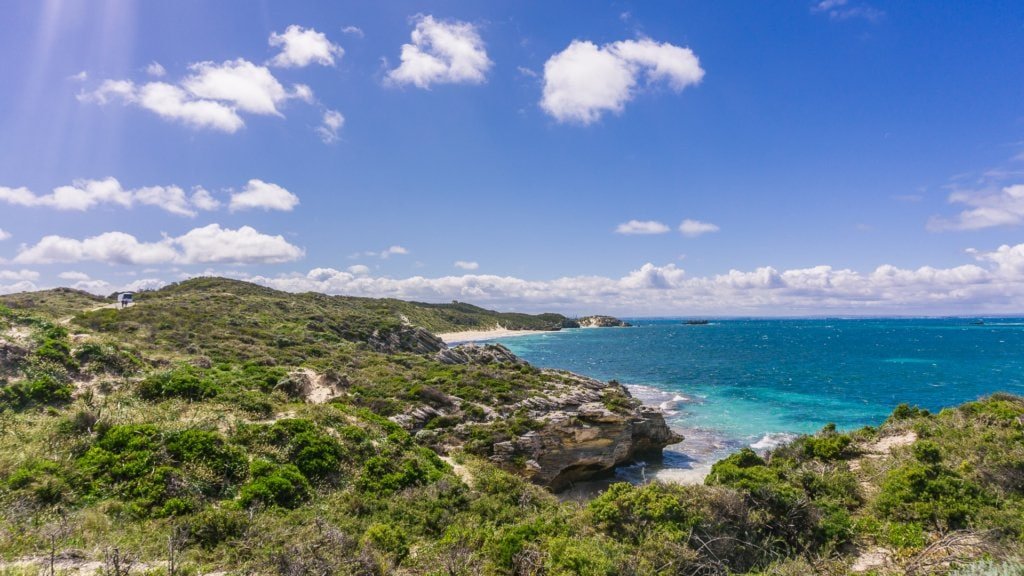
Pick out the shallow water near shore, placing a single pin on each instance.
(735, 383)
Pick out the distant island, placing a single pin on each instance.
(218, 426)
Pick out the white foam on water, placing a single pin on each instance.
(772, 440)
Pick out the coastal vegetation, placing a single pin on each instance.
(221, 426)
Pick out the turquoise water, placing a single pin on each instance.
(741, 382)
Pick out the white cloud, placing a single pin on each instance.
(584, 81)
(84, 195)
(4, 234)
(442, 53)
(466, 265)
(170, 198)
(79, 77)
(81, 195)
(209, 244)
(9, 275)
(73, 275)
(353, 30)
(641, 227)
(203, 200)
(23, 286)
(258, 194)
(694, 228)
(156, 70)
(109, 247)
(246, 86)
(303, 46)
(213, 244)
(209, 98)
(997, 285)
(173, 103)
(332, 123)
(986, 210)
(359, 269)
(394, 250)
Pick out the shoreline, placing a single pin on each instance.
(467, 336)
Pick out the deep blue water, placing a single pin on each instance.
(742, 382)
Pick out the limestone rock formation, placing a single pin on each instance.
(602, 322)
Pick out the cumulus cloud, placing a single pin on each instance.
(332, 123)
(442, 52)
(301, 47)
(79, 77)
(8, 275)
(641, 227)
(994, 283)
(241, 83)
(359, 269)
(985, 210)
(4, 234)
(258, 194)
(694, 228)
(203, 200)
(170, 198)
(22, 286)
(73, 275)
(210, 97)
(209, 244)
(81, 195)
(393, 251)
(353, 30)
(156, 70)
(84, 195)
(466, 265)
(584, 81)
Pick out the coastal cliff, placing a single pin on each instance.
(577, 427)
(601, 322)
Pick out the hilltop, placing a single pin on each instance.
(218, 425)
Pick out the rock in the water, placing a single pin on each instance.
(602, 322)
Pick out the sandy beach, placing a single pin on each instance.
(478, 335)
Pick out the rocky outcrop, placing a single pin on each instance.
(477, 354)
(601, 322)
(405, 338)
(581, 428)
(586, 441)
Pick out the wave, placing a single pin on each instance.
(773, 440)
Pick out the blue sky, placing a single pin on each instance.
(832, 156)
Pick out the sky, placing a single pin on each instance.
(637, 158)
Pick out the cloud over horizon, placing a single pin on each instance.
(994, 282)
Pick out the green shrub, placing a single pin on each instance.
(580, 557)
(273, 485)
(41, 478)
(931, 494)
(182, 382)
(906, 412)
(213, 526)
(388, 538)
(626, 510)
(107, 359)
(41, 390)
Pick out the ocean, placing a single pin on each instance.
(759, 382)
